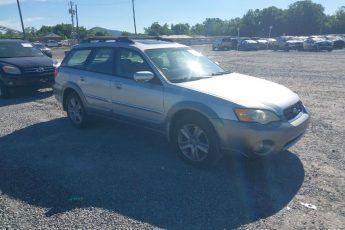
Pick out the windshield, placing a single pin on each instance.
(39, 46)
(18, 49)
(183, 64)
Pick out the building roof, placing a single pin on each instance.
(52, 35)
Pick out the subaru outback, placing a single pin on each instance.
(203, 110)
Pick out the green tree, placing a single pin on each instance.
(305, 18)
(126, 33)
(63, 30)
(251, 23)
(198, 29)
(181, 28)
(156, 29)
(275, 17)
(340, 20)
(214, 26)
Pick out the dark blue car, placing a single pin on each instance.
(22, 65)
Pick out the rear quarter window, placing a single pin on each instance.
(77, 58)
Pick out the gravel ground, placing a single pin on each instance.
(115, 176)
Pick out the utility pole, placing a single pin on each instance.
(269, 35)
(76, 18)
(72, 12)
(135, 25)
(21, 19)
(238, 37)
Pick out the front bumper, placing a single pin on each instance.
(258, 139)
(40, 81)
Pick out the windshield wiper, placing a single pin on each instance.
(220, 73)
(189, 79)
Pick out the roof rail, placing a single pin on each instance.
(106, 39)
(128, 39)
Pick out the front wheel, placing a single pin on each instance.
(75, 110)
(196, 141)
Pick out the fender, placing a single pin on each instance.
(76, 88)
(188, 105)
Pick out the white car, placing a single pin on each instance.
(52, 43)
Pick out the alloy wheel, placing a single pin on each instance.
(193, 142)
(75, 110)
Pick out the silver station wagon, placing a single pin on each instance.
(203, 110)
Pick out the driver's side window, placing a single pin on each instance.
(129, 62)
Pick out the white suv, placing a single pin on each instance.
(203, 109)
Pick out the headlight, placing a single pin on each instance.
(256, 115)
(11, 69)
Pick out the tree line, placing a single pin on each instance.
(300, 18)
(64, 30)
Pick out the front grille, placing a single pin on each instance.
(293, 111)
(39, 70)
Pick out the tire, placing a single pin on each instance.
(76, 110)
(196, 141)
(330, 50)
(3, 91)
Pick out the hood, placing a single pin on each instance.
(246, 91)
(25, 62)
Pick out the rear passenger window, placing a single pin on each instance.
(101, 61)
(78, 58)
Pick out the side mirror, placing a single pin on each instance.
(143, 76)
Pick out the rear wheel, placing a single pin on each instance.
(75, 110)
(196, 141)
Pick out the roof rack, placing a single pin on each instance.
(128, 39)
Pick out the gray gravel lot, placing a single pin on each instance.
(116, 176)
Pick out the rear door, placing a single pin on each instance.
(92, 71)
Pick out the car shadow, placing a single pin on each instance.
(20, 96)
(134, 172)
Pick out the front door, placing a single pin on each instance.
(132, 99)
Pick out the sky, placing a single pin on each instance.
(117, 14)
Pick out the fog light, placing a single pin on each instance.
(263, 147)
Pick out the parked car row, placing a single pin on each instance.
(286, 43)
